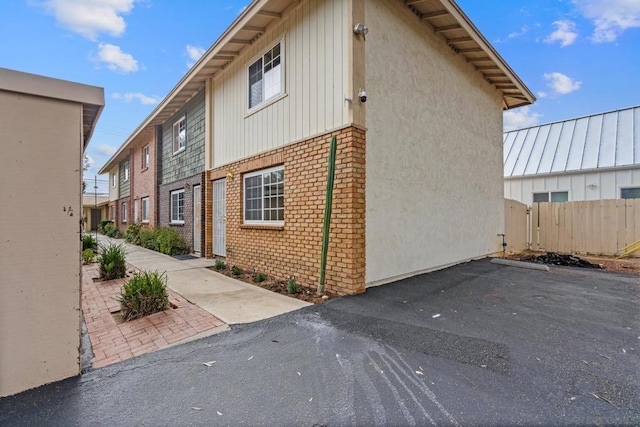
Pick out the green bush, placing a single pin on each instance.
(236, 271)
(103, 224)
(259, 277)
(132, 234)
(170, 242)
(89, 242)
(219, 265)
(145, 294)
(111, 230)
(147, 239)
(292, 286)
(112, 262)
(87, 256)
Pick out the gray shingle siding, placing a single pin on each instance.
(190, 161)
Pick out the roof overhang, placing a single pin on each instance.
(90, 97)
(443, 16)
(122, 153)
(449, 21)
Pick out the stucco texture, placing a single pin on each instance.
(434, 186)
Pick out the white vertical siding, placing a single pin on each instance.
(314, 39)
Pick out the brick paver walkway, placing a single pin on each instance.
(113, 342)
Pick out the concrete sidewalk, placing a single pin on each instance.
(232, 301)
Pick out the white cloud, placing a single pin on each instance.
(524, 30)
(106, 150)
(131, 96)
(116, 59)
(561, 84)
(542, 94)
(565, 33)
(610, 17)
(519, 118)
(90, 17)
(194, 53)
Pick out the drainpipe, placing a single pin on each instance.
(327, 213)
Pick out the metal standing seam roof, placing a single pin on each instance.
(600, 141)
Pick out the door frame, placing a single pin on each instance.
(219, 218)
(197, 213)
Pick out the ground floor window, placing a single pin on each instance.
(630, 193)
(123, 215)
(112, 212)
(145, 209)
(177, 207)
(264, 197)
(551, 196)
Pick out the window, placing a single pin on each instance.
(630, 193)
(114, 180)
(126, 171)
(145, 209)
(112, 212)
(556, 196)
(177, 207)
(265, 77)
(123, 215)
(179, 135)
(264, 197)
(145, 157)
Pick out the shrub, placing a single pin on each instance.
(89, 242)
(111, 230)
(132, 234)
(87, 256)
(170, 242)
(112, 262)
(145, 294)
(292, 286)
(260, 277)
(103, 224)
(147, 239)
(219, 265)
(236, 271)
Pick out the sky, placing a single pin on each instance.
(578, 57)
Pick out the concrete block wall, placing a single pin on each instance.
(295, 248)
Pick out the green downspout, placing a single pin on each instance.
(327, 214)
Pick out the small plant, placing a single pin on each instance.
(87, 256)
(145, 294)
(132, 235)
(111, 230)
(236, 271)
(103, 224)
(112, 262)
(219, 265)
(292, 285)
(89, 242)
(259, 277)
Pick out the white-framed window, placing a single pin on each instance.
(126, 171)
(145, 157)
(177, 207)
(179, 134)
(123, 212)
(551, 196)
(630, 193)
(145, 209)
(265, 76)
(114, 180)
(264, 197)
(112, 212)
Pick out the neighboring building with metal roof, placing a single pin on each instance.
(587, 158)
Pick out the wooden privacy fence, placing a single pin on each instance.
(587, 227)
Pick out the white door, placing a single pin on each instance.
(135, 210)
(197, 217)
(220, 217)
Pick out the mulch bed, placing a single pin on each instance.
(273, 284)
(629, 265)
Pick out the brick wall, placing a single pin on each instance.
(144, 179)
(164, 206)
(294, 249)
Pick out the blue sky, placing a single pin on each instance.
(577, 56)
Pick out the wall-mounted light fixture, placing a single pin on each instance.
(592, 186)
(230, 175)
(361, 29)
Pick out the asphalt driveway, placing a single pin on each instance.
(475, 344)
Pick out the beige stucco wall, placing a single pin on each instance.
(114, 191)
(40, 185)
(434, 185)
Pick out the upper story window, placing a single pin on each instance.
(265, 77)
(552, 196)
(145, 157)
(114, 180)
(264, 197)
(126, 171)
(630, 193)
(179, 135)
